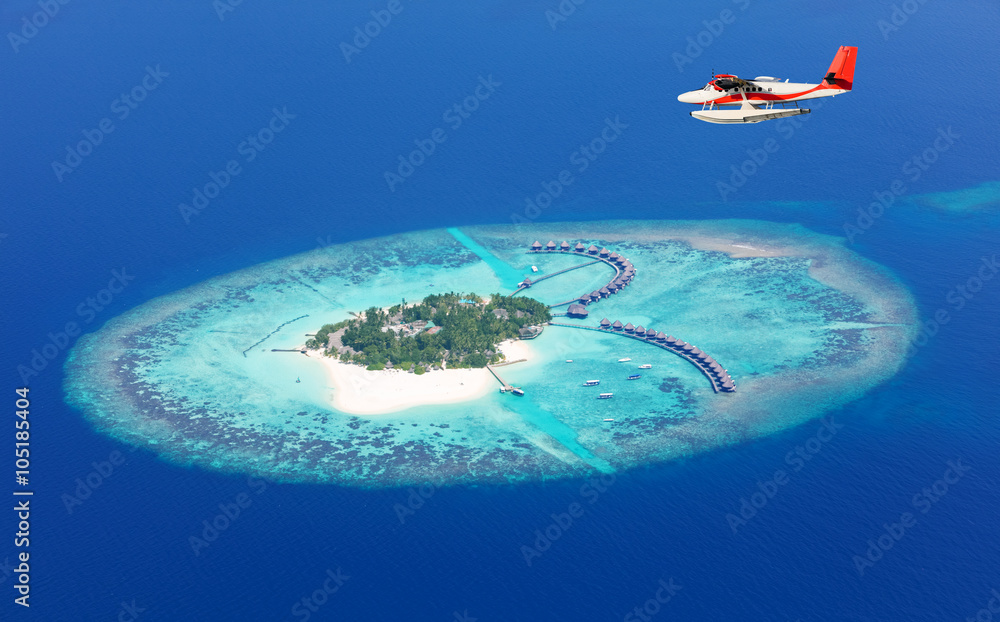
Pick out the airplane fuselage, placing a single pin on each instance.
(759, 91)
(730, 99)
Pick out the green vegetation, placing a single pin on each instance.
(456, 330)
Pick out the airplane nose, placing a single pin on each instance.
(691, 97)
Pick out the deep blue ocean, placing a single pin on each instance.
(210, 75)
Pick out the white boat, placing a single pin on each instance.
(534, 268)
(605, 396)
(591, 383)
(609, 419)
(646, 366)
(569, 360)
(624, 360)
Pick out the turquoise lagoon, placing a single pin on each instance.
(802, 324)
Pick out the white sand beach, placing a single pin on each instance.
(361, 392)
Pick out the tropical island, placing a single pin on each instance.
(211, 375)
(447, 331)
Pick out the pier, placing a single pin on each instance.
(526, 283)
(503, 383)
(624, 273)
(721, 381)
(265, 338)
(624, 270)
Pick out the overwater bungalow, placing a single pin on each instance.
(605, 292)
(551, 246)
(579, 247)
(593, 250)
(564, 246)
(577, 310)
(613, 287)
(605, 323)
(629, 328)
(661, 336)
(617, 325)
(604, 253)
(537, 246)
(525, 283)
(614, 256)
(651, 334)
(639, 330)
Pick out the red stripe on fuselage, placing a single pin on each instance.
(764, 96)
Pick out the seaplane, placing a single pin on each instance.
(730, 99)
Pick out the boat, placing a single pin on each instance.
(569, 360)
(605, 396)
(591, 383)
(609, 419)
(516, 391)
(503, 390)
(635, 376)
(624, 360)
(534, 268)
(298, 380)
(646, 366)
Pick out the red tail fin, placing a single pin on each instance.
(841, 71)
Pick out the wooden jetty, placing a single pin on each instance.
(624, 270)
(721, 381)
(507, 387)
